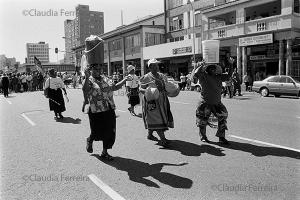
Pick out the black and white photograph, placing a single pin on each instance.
(149, 100)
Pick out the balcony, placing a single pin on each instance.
(273, 23)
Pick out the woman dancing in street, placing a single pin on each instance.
(157, 115)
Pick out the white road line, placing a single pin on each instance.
(121, 110)
(266, 143)
(180, 102)
(108, 190)
(29, 120)
(8, 101)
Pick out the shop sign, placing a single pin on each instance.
(263, 57)
(182, 50)
(259, 57)
(255, 40)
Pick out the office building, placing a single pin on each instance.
(77, 30)
(40, 50)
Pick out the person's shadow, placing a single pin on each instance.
(260, 151)
(69, 120)
(138, 171)
(191, 149)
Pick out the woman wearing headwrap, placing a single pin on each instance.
(56, 99)
(98, 93)
(157, 115)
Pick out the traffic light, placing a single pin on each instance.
(56, 50)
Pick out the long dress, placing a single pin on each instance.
(56, 99)
(101, 113)
(156, 113)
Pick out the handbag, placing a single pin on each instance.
(46, 91)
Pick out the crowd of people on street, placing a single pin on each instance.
(33, 81)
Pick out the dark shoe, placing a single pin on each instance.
(60, 116)
(106, 156)
(164, 143)
(222, 140)
(151, 137)
(89, 146)
(204, 139)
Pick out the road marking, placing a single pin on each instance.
(108, 190)
(29, 120)
(8, 101)
(180, 102)
(121, 110)
(266, 143)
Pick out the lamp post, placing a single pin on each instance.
(194, 34)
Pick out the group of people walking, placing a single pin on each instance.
(156, 110)
(22, 82)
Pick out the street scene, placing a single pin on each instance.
(162, 99)
(45, 158)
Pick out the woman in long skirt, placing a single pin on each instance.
(157, 115)
(98, 93)
(55, 95)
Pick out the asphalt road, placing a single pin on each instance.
(46, 159)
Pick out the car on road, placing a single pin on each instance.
(277, 85)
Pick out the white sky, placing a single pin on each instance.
(16, 29)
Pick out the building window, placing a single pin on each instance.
(176, 23)
(198, 19)
(115, 45)
(133, 41)
(296, 6)
(174, 3)
(261, 26)
(221, 33)
(154, 39)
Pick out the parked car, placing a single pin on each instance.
(277, 85)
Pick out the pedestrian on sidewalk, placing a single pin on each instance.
(236, 83)
(98, 93)
(247, 81)
(132, 88)
(210, 77)
(55, 95)
(157, 115)
(182, 81)
(5, 84)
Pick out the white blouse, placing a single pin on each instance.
(55, 83)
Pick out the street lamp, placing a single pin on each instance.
(194, 34)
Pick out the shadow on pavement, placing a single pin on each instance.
(191, 149)
(260, 151)
(138, 171)
(69, 120)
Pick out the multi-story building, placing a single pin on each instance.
(77, 30)
(263, 36)
(183, 35)
(124, 45)
(69, 40)
(40, 50)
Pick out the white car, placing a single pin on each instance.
(277, 85)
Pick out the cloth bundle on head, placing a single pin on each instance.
(151, 93)
(130, 67)
(172, 89)
(93, 50)
(152, 61)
